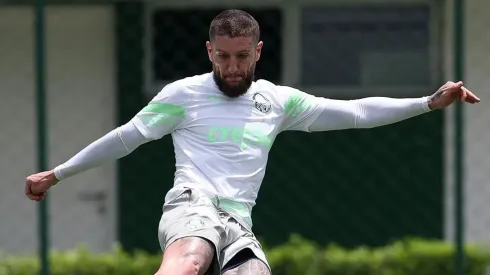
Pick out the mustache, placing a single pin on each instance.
(234, 75)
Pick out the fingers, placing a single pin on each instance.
(451, 85)
(27, 189)
(40, 197)
(462, 94)
(37, 198)
(34, 197)
(30, 194)
(469, 96)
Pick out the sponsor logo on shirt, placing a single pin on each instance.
(246, 136)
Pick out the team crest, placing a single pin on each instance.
(262, 103)
(194, 224)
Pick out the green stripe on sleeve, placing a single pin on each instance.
(164, 108)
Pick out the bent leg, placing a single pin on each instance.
(190, 233)
(247, 264)
(188, 256)
(244, 256)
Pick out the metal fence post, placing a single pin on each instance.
(41, 130)
(459, 139)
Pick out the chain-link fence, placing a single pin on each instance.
(349, 187)
(353, 187)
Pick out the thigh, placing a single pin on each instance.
(187, 216)
(190, 255)
(189, 234)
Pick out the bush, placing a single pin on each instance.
(405, 257)
(297, 257)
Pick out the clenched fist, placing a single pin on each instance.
(38, 184)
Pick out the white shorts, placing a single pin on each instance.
(188, 213)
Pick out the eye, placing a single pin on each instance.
(222, 55)
(243, 55)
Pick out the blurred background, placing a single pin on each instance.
(104, 60)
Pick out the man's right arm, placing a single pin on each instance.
(112, 146)
(163, 114)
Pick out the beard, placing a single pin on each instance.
(234, 90)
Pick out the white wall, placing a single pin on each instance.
(81, 97)
(477, 125)
(17, 120)
(477, 121)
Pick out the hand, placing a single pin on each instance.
(38, 184)
(450, 92)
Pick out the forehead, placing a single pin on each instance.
(232, 44)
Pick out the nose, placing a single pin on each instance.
(232, 67)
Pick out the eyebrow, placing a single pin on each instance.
(240, 52)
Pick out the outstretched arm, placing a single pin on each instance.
(366, 113)
(164, 114)
(114, 145)
(304, 112)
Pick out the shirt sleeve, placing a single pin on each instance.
(164, 113)
(366, 112)
(300, 109)
(308, 113)
(114, 145)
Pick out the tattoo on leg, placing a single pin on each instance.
(201, 248)
(251, 267)
(184, 241)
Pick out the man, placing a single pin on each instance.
(223, 125)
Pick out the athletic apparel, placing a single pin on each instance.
(222, 144)
(189, 213)
(114, 145)
(366, 113)
(221, 150)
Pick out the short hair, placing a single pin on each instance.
(234, 23)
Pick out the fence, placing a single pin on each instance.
(331, 203)
(351, 187)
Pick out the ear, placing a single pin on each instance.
(258, 50)
(209, 48)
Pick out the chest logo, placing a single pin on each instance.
(261, 103)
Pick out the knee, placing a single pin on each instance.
(191, 264)
(183, 265)
(187, 256)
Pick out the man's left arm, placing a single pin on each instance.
(308, 113)
(366, 113)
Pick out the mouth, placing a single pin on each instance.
(234, 79)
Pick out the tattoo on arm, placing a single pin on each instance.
(436, 95)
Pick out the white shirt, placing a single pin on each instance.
(222, 144)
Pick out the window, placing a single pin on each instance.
(365, 46)
(179, 36)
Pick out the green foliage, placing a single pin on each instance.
(405, 257)
(297, 257)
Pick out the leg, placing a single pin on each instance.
(189, 234)
(244, 256)
(188, 256)
(245, 263)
